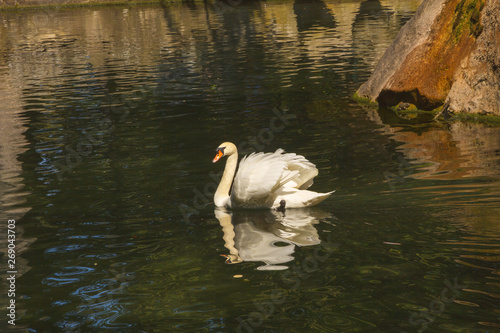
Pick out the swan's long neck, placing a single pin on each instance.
(222, 194)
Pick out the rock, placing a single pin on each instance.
(448, 50)
(414, 33)
(476, 86)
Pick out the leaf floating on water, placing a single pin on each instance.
(391, 243)
(237, 276)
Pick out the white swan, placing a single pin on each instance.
(266, 180)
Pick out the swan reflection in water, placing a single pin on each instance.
(268, 236)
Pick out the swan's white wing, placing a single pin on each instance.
(260, 176)
(305, 169)
(257, 177)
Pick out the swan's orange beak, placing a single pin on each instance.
(228, 258)
(218, 156)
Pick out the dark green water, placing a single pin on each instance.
(109, 122)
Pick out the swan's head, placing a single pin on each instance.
(224, 149)
(232, 258)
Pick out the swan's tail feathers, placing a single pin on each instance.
(300, 198)
(318, 198)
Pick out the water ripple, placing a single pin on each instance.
(67, 248)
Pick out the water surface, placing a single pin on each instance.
(109, 122)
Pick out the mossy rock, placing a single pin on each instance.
(468, 18)
(364, 101)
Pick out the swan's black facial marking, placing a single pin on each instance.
(220, 149)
